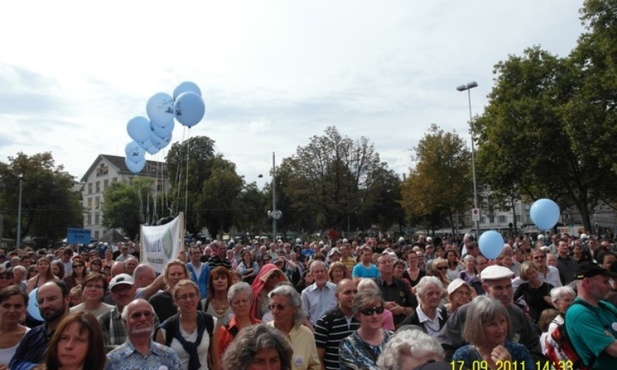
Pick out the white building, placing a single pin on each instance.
(105, 170)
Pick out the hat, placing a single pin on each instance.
(590, 269)
(496, 272)
(584, 236)
(334, 250)
(455, 284)
(120, 279)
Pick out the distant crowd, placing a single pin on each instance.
(368, 303)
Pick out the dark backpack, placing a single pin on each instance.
(560, 350)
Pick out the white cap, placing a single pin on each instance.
(120, 279)
(455, 284)
(584, 236)
(496, 272)
(334, 250)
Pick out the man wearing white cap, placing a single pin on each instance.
(122, 291)
(497, 282)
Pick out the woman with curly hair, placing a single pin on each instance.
(258, 344)
(77, 343)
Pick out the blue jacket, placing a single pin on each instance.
(202, 279)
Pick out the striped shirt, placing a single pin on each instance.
(330, 330)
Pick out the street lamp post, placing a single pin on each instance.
(18, 241)
(467, 87)
(276, 215)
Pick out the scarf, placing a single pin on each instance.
(191, 347)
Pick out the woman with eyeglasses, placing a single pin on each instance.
(217, 304)
(439, 268)
(77, 276)
(286, 307)
(459, 293)
(268, 278)
(429, 316)
(94, 287)
(96, 265)
(190, 332)
(363, 347)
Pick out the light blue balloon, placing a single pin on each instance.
(162, 132)
(139, 129)
(146, 144)
(134, 152)
(544, 213)
(160, 109)
(159, 142)
(33, 306)
(491, 243)
(135, 167)
(190, 109)
(186, 86)
(152, 149)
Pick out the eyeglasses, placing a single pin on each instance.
(186, 296)
(137, 315)
(539, 257)
(369, 311)
(279, 307)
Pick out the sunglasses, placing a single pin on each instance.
(279, 307)
(369, 311)
(539, 257)
(442, 268)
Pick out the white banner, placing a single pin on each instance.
(160, 244)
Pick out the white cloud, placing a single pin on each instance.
(272, 73)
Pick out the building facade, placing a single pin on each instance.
(104, 171)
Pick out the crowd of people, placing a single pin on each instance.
(358, 304)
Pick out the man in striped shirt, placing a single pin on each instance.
(336, 325)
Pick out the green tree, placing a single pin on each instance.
(331, 176)
(126, 206)
(543, 133)
(216, 205)
(50, 201)
(189, 165)
(382, 205)
(440, 185)
(251, 206)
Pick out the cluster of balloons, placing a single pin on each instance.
(544, 214)
(154, 133)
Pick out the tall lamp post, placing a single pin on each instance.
(21, 176)
(274, 213)
(467, 87)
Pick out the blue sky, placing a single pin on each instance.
(272, 73)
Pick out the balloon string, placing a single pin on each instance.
(186, 186)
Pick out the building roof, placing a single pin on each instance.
(152, 168)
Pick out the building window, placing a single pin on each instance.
(518, 218)
(90, 188)
(97, 219)
(88, 219)
(159, 185)
(491, 219)
(89, 203)
(502, 219)
(97, 202)
(98, 186)
(105, 183)
(96, 234)
(115, 179)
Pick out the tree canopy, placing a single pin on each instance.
(550, 127)
(440, 184)
(50, 201)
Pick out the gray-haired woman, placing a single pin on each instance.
(240, 297)
(258, 346)
(286, 308)
(486, 331)
(408, 349)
